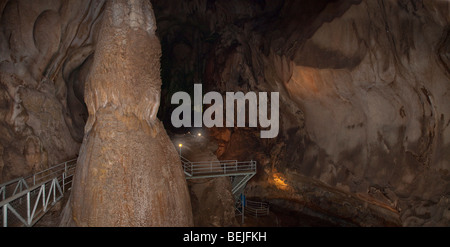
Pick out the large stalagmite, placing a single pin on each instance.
(128, 172)
(364, 104)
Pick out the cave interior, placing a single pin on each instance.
(364, 106)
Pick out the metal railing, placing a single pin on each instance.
(26, 200)
(17, 185)
(239, 171)
(217, 168)
(256, 209)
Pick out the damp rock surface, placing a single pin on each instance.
(128, 173)
(364, 102)
(45, 50)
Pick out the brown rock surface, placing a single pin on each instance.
(128, 172)
(43, 46)
(364, 100)
(363, 85)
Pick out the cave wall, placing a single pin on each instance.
(45, 55)
(364, 85)
(379, 76)
(364, 100)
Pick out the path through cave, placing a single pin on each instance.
(364, 107)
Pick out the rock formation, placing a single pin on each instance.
(364, 103)
(45, 49)
(128, 173)
(364, 98)
(47, 54)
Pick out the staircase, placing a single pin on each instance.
(238, 184)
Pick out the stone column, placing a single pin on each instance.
(128, 172)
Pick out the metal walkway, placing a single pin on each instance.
(26, 200)
(239, 171)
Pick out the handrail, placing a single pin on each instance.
(37, 202)
(34, 176)
(19, 184)
(256, 209)
(22, 193)
(240, 172)
(10, 182)
(29, 205)
(219, 167)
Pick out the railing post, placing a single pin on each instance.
(28, 208)
(54, 189)
(43, 195)
(5, 215)
(63, 182)
(243, 206)
(64, 177)
(21, 188)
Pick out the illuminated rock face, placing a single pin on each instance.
(364, 102)
(363, 85)
(375, 105)
(128, 172)
(46, 48)
(372, 85)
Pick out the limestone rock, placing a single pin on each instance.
(363, 92)
(128, 173)
(41, 120)
(363, 84)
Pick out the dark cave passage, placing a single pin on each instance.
(363, 107)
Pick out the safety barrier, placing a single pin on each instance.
(256, 209)
(240, 173)
(217, 168)
(26, 200)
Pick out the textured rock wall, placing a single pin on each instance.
(128, 172)
(364, 97)
(45, 49)
(364, 86)
(373, 86)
